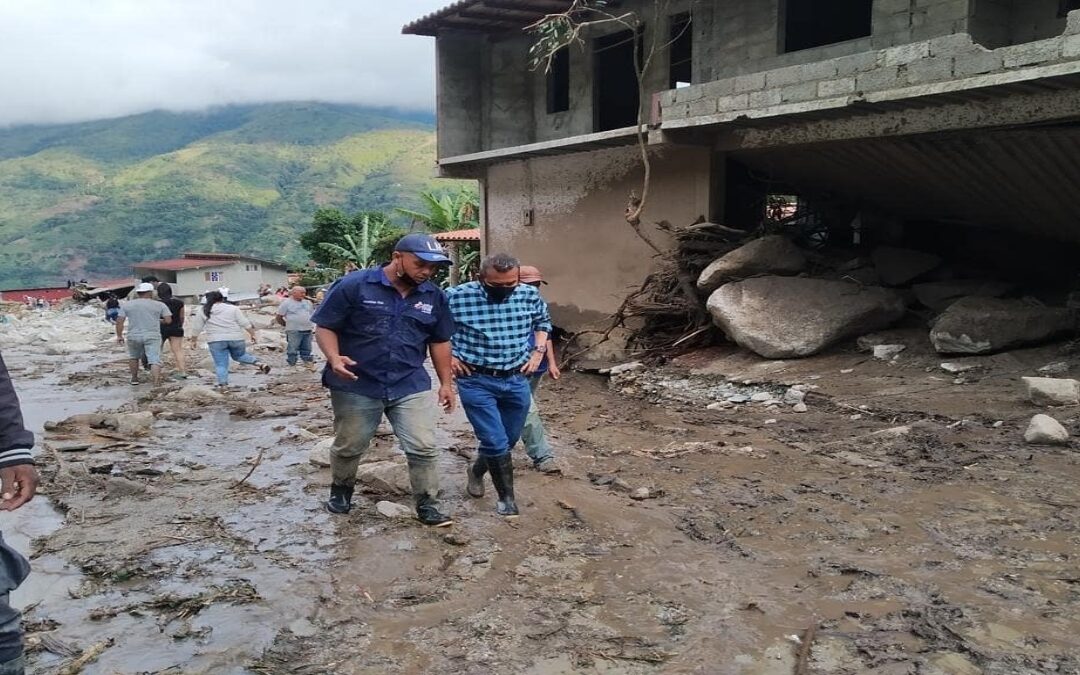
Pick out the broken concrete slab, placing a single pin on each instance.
(791, 317)
(1045, 430)
(768, 255)
(939, 295)
(900, 266)
(388, 477)
(1052, 390)
(987, 325)
(393, 510)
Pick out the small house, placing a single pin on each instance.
(193, 274)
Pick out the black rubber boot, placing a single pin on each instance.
(502, 476)
(475, 473)
(428, 513)
(340, 499)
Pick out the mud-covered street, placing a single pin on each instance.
(900, 525)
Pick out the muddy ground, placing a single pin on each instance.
(895, 527)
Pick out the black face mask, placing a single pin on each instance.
(405, 277)
(499, 293)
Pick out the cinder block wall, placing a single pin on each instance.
(1000, 23)
(490, 98)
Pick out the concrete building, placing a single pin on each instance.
(960, 112)
(196, 273)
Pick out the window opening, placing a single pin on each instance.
(558, 82)
(681, 51)
(616, 87)
(813, 23)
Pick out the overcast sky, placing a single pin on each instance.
(71, 60)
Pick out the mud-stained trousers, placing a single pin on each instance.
(356, 418)
(533, 436)
(14, 569)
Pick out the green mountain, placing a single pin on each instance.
(90, 199)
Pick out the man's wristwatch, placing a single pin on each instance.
(540, 348)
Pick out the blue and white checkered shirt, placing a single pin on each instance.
(496, 334)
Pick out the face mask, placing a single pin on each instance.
(405, 277)
(499, 293)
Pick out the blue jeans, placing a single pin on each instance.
(532, 435)
(412, 417)
(13, 571)
(222, 350)
(298, 344)
(496, 408)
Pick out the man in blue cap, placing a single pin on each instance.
(376, 327)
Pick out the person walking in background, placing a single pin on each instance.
(19, 478)
(295, 314)
(225, 326)
(533, 436)
(112, 308)
(173, 332)
(376, 329)
(144, 317)
(493, 360)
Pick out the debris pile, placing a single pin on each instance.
(778, 300)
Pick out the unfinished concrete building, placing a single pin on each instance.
(927, 118)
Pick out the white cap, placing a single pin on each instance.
(144, 287)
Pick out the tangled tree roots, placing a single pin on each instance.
(666, 314)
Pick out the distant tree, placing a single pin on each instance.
(336, 237)
(446, 211)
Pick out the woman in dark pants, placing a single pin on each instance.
(173, 333)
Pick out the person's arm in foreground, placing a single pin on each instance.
(339, 363)
(18, 475)
(441, 358)
(553, 361)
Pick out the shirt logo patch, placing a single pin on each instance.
(424, 307)
(374, 302)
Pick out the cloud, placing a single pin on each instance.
(72, 60)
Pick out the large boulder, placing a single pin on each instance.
(790, 317)
(769, 255)
(899, 266)
(938, 295)
(987, 325)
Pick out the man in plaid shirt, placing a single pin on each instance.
(492, 361)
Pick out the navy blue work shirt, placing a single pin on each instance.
(387, 335)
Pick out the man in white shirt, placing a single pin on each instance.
(144, 317)
(294, 313)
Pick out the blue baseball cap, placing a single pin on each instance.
(423, 246)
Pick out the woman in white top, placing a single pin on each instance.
(225, 326)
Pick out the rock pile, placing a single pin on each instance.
(759, 305)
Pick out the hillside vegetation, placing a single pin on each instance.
(90, 199)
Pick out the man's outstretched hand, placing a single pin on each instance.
(19, 485)
(341, 366)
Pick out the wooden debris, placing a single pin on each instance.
(89, 655)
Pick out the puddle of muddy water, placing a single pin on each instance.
(42, 400)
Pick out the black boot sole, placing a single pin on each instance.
(335, 511)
